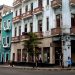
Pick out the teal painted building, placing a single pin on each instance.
(6, 37)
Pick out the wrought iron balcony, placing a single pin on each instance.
(56, 3)
(25, 0)
(17, 18)
(39, 34)
(38, 10)
(17, 2)
(55, 31)
(47, 34)
(72, 2)
(25, 35)
(27, 14)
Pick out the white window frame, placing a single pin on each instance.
(47, 3)
(4, 25)
(2, 40)
(6, 40)
(27, 27)
(8, 26)
(5, 56)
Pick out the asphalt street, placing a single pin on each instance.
(12, 71)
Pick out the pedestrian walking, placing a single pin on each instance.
(69, 62)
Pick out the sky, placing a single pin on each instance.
(6, 2)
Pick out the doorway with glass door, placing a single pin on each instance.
(58, 56)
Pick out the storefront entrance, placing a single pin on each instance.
(58, 56)
(57, 52)
(73, 51)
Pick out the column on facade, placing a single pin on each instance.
(17, 26)
(52, 55)
(42, 55)
(27, 57)
(28, 26)
(15, 53)
(22, 26)
(11, 55)
(35, 24)
(12, 48)
(21, 55)
(66, 40)
(44, 26)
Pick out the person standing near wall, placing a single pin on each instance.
(69, 62)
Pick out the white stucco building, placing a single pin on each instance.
(53, 22)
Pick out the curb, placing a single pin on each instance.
(47, 69)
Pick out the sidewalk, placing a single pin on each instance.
(38, 68)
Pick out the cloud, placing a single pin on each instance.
(6, 2)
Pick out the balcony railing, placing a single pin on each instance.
(7, 28)
(17, 2)
(16, 39)
(25, 0)
(27, 14)
(6, 45)
(72, 2)
(56, 31)
(47, 33)
(38, 10)
(39, 34)
(16, 19)
(56, 3)
(24, 36)
(73, 30)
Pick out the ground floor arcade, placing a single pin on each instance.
(58, 52)
(50, 51)
(44, 52)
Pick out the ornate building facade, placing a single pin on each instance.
(52, 21)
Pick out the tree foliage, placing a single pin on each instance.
(31, 43)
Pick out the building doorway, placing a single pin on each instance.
(7, 58)
(73, 51)
(58, 52)
(58, 56)
(18, 55)
(46, 54)
(2, 58)
(13, 56)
